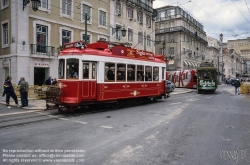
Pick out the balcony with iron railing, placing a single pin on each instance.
(180, 28)
(42, 51)
(143, 5)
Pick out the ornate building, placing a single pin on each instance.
(180, 37)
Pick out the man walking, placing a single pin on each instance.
(237, 86)
(9, 91)
(24, 89)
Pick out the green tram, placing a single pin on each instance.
(206, 77)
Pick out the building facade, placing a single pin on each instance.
(239, 51)
(31, 40)
(180, 37)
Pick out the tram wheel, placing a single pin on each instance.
(199, 92)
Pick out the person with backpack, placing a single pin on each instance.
(237, 86)
(24, 89)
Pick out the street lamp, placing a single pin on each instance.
(35, 4)
(86, 18)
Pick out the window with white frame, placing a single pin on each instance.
(102, 18)
(140, 38)
(88, 38)
(148, 40)
(130, 35)
(42, 38)
(118, 7)
(86, 9)
(140, 16)
(66, 36)
(4, 4)
(162, 38)
(161, 51)
(171, 37)
(44, 4)
(5, 34)
(118, 32)
(130, 12)
(66, 7)
(171, 51)
(148, 20)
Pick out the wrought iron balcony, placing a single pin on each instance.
(42, 50)
(141, 4)
(180, 28)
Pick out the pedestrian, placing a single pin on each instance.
(48, 81)
(237, 86)
(24, 89)
(3, 89)
(9, 90)
(54, 82)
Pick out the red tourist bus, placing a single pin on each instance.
(183, 78)
(104, 72)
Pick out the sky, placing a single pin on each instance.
(229, 17)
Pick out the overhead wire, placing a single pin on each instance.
(240, 11)
(247, 6)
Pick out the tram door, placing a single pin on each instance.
(89, 80)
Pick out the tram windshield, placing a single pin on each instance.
(207, 75)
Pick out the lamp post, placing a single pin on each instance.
(86, 18)
(221, 54)
(35, 4)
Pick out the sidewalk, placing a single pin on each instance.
(40, 104)
(34, 104)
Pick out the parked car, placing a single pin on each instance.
(228, 81)
(170, 85)
(233, 81)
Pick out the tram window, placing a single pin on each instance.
(109, 72)
(206, 75)
(163, 69)
(156, 74)
(72, 68)
(148, 74)
(61, 68)
(195, 78)
(85, 70)
(131, 73)
(93, 70)
(140, 73)
(121, 72)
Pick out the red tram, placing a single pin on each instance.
(183, 78)
(103, 72)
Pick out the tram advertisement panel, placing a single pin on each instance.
(207, 84)
(182, 78)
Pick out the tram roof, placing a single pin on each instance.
(110, 49)
(206, 68)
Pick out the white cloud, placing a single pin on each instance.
(217, 16)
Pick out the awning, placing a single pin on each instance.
(191, 63)
(185, 62)
(188, 63)
(171, 62)
(195, 64)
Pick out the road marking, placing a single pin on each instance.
(193, 99)
(174, 103)
(108, 127)
(16, 113)
(209, 97)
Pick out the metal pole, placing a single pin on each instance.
(86, 15)
(145, 40)
(218, 70)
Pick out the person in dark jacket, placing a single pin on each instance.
(48, 81)
(10, 92)
(4, 90)
(24, 89)
(237, 86)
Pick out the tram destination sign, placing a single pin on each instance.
(134, 53)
